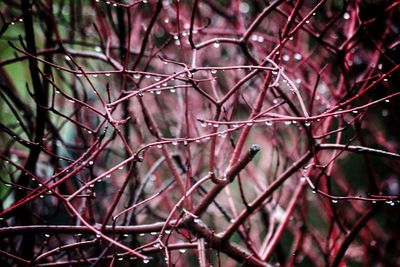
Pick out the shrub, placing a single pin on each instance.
(187, 133)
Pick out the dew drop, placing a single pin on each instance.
(107, 74)
(297, 56)
(387, 100)
(346, 16)
(288, 122)
(182, 251)
(175, 143)
(286, 57)
(213, 71)
(67, 58)
(145, 261)
(216, 44)
(70, 100)
(136, 76)
(203, 124)
(159, 146)
(334, 201)
(268, 123)
(91, 162)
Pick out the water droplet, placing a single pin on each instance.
(107, 74)
(213, 71)
(157, 245)
(307, 123)
(254, 37)
(215, 125)
(91, 162)
(145, 261)
(136, 76)
(120, 259)
(355, 111)
(67, 58)
(175, 142)
(41, 196)
(216, 44)
(154, 233)
(197, 220)
(286, 57)
(346, 15)
(121, 168)
(297, 56)
(385, 79)
(158, 92)
(288, 122)
(249, 124)
(157, 78)
(307, 21)
(313, 191)
(97, 49)
(334, 201)
(387, 100)
(268, 123)
(182, 251)
(47, 235)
